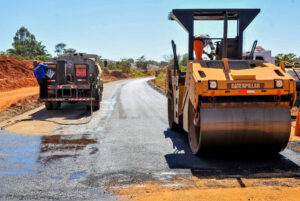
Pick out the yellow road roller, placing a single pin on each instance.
(227, 101)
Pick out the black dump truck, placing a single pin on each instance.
(74, 78)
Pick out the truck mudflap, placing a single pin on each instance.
(67, 99)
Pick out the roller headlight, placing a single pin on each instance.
(278, 83)
(212, 84)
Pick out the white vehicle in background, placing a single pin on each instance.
(262, 54)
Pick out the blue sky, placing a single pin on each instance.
(118, 29)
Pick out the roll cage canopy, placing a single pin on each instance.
(186, 17)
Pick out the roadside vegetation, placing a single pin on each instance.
(139, 73)
(160, 80)
(140, 67)
(290, 59)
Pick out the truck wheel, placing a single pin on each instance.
(56, 105)
(172, 124)
(48, 105)
(100, 94)
(88, 107)
(96, 105)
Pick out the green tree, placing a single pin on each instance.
(142, 63)
(183, 60)
(59, 48)
(131, 60)
(70, 50)
(290, 58)
(170, 60)
(163, 64)
(153, 62)
(111, 65)
(25, 45)
(3, 53)
(124, 65)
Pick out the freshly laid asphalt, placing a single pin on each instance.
(126, 141)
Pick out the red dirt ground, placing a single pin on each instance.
(114, 75)
(15, 74)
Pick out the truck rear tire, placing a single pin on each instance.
(96, 105)
(98, 99)
(101, 94)
(48, 105)
(56, 105)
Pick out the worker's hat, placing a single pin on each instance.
(202, 36)
(35, 62)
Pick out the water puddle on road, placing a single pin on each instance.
(58, 147)
(18, 154)
(78, 175)
(24, 155)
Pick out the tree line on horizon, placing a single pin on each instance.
(26, 46)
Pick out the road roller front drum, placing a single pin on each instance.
(231, 129)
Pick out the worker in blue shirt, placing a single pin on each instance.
(39, 73)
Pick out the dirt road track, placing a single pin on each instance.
(13, 97)
(127, 152)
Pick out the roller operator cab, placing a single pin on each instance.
(228, 102)
(74, 78)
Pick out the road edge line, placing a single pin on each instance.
(159, 90)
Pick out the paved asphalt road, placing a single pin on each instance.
(126, 141)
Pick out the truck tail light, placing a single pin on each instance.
(80, 72)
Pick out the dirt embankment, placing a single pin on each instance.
(15, 74)
(115, 75)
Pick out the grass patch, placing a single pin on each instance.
(138, 73)
(160, 80)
